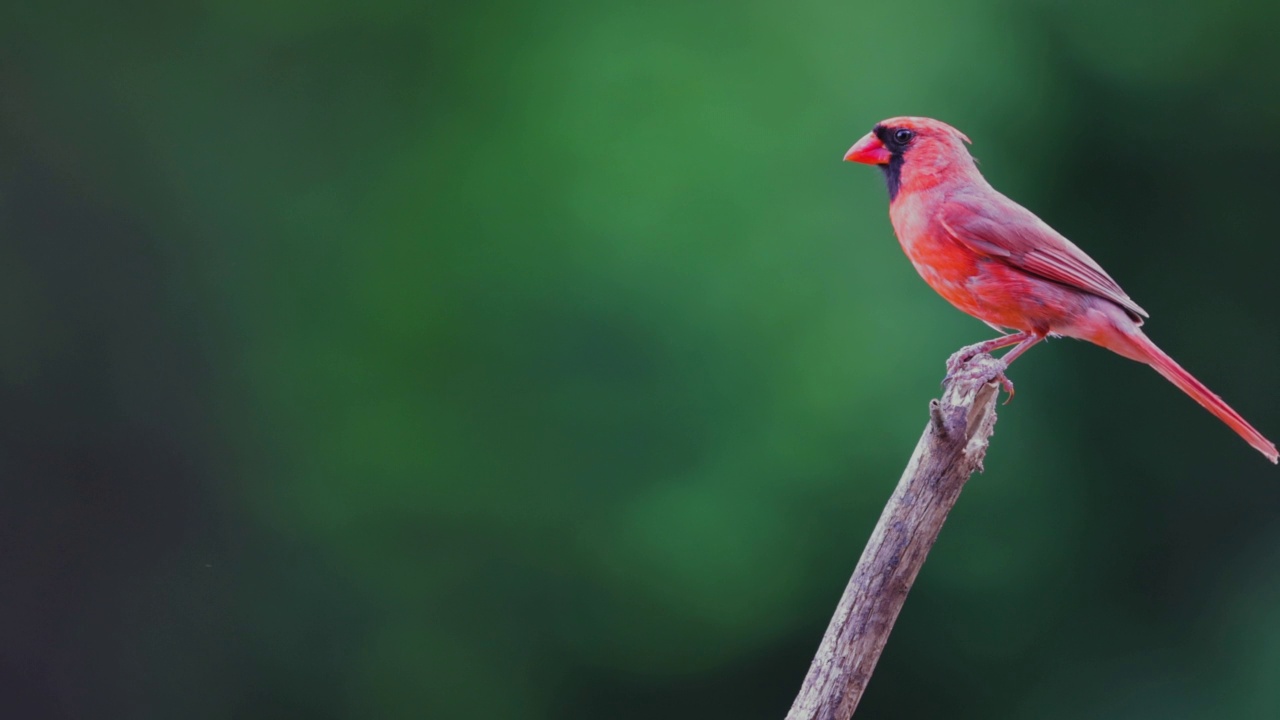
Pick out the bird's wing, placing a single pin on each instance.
(1004, 230)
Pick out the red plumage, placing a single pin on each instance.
(998, 262)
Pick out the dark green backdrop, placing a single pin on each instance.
(541, 360)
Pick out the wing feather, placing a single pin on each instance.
(1003, 230)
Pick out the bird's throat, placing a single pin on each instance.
(893, 175)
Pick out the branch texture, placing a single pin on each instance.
(951, 449)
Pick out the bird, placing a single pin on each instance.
(997, 261)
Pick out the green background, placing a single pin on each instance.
(536, 360)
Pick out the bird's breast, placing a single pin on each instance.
(944, 263)
(974, 284)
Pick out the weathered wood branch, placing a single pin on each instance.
(951, 449)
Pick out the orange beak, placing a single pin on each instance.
(869, 150)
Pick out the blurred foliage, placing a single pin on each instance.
(542, 360)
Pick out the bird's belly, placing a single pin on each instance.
(993, 291)
(960, 289)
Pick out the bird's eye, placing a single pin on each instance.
(903, 136)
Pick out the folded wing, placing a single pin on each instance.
(1003, 230)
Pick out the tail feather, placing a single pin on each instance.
(1173, 372)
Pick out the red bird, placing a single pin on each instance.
(998, 262)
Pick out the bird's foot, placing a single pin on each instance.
(960, 357)
(995, 371)
(1005, 383)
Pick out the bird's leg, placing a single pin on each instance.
(968, 352)
(1023, 346)
(1009, 357)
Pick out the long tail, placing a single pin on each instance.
(1163, 364)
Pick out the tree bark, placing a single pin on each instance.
(951, 449)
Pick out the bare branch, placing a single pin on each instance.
(951, 449)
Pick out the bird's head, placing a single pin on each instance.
(914, 152)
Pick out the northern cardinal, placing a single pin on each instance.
(998, 262)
